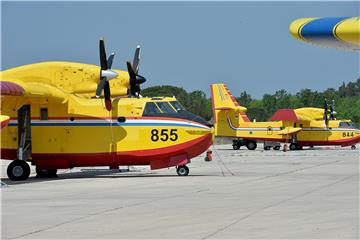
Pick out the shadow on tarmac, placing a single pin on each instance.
(94, 175)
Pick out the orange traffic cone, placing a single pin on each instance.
(208, 157)
(285, 148)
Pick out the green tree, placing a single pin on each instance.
(244, 99)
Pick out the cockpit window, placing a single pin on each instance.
(344, 124)
(352, 125)
(151, 108)
(347, 125)
(177, 106)
(165, 107)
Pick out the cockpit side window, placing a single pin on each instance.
(151, 108)
(177, 106)
(352, 125)
(348, 125)
(165, 107)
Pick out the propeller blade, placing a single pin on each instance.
(136, 60)
(140, 79)
(107, 96)
(326, 111)
(132, 74)
(103, 61)
(110, 60)
(100, 87)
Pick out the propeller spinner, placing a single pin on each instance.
(106, 74)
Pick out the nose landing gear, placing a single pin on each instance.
(182, 170)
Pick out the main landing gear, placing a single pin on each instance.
(250, 144)
(295, 146)
(182, 170)
(18, 170)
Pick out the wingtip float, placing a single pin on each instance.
(333, 32)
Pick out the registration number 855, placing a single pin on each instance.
(164, 135)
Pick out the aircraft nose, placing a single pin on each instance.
(204, 140)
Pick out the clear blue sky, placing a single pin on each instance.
(246, 45)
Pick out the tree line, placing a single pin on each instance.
(346, 97)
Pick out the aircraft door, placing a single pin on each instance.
(24, 133)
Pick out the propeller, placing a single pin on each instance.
(332, 110)
(135, 78)
(106, 74)
(326, 110)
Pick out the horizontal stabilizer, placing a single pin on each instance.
(289, 130)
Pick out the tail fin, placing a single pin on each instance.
(225, 108)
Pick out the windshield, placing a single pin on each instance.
(347, 125)
(151, 108)
(177, 105)
(165, 107)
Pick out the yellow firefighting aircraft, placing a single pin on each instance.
(300, 127)
(55, 121)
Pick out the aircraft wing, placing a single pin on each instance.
(31, 90)
(27, 92)
(300, 114)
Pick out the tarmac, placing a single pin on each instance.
(312, 193)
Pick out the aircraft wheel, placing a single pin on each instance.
(277, 148)
(182, 170)
(293, 146)
(18, 170)
(251, 145)
(236, 147)
(353, 147)
(46, 173)
(267, 148)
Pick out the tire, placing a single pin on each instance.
(46, 173)
(353, 147)
(251, 145)
(293, 146)
(267, 148)
(18, 170)
(182, 171)
(236, 147)
(277, 148)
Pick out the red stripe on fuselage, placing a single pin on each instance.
(342, 142)
(139, 157)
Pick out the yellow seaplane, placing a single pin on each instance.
(299, 127)
(59, 115)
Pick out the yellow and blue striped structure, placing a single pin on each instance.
(334, 32)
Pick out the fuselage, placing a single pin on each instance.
(338, 132)
(82, 132)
